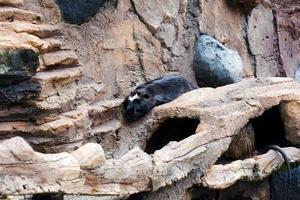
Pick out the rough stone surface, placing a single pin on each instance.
(90, 156)
(287, 17)
(118, 47)
(11, 2)
(261, 41)
(214, 64)
(136, 171)
(291, 118)
(60, 58)
(223, 176)
(11, 14)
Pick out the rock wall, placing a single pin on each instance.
(87, 63)
(131, 41)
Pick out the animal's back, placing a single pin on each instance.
(153, 93)
(170, 86)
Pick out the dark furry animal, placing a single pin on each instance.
(153, 93)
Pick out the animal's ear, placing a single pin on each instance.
(160, 99)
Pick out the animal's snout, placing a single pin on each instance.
(134, 110)
(131, 109)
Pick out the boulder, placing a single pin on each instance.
(214, 64)
(90, 156)
(291, 117)
(297, 74)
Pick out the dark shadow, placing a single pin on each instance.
(48, 196)
(79, 11)
(17, 67)
(269, 129)
(174, 129)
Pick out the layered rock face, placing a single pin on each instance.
(181, 165)
(67, 89)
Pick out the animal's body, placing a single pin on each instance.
(153, 93)
(242, 145)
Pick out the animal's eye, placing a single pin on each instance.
(146, 96)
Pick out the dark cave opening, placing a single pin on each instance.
(78, 11)
(269, 129)
(48, 196)
(174, 129)
(261, 132)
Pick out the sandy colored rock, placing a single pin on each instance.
(262, 34)
(223, 112)
(40, 30)
(154, 12)
(223, 176)
(120, 47)
(60, 58)
(12, 40)
(11, 2)
(16, 150)
(291, 117)
(9, 13)
(90, 156)
(287, 17)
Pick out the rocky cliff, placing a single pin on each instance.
(65, 67)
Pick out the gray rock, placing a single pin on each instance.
(214, 64)
(297, 74)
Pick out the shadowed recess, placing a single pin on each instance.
(48, 196)
(78, 11)
(269, 129)
(16, 70)
(174, 129)
(17, 65)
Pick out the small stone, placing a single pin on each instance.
(90, 156)
(214, 64)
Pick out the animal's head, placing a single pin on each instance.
(138, 104)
